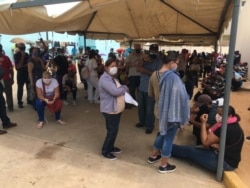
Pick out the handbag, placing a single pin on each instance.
(31, 93)
(56, 106)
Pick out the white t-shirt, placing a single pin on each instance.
(91, 63)
(49, 89)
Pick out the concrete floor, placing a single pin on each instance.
(69, 156)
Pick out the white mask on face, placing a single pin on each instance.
(46, 80)
(113, 71)
(218, 118)
(174, 67)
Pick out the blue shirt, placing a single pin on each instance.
(151, 66)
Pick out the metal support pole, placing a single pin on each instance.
(229, 73)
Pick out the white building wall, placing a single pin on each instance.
(243, 34)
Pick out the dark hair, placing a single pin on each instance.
(109, 61)
(170, 56)
(31, 50)
(92, 54)
(231, 111)
(1, 47)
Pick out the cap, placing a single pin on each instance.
(71, 68)
(154, 47)
(203, 99)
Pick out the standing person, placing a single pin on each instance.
(111, 105)
(82, 59)
(173, 112)
(35, 69)
(133, 75)
(8, 77)
(21, 63)
(93, 90)
(62, 66)
(146, 67)
(3, 114)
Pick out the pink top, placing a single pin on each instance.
(218, 125)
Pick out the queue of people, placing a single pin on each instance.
(154, 79)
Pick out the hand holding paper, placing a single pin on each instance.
(129, 99)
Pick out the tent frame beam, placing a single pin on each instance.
(36, 3)
(191, 19)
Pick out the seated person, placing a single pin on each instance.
(69, 84)
(48, 94)
(237, 81)
(230, 119)
(207, 156)
(204, 105)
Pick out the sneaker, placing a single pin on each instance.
(3, 132)
(20, 106)
(168, 168)
(116, 150)
(91, 101)
(152, 160)
(9, 125)
(148, 131)
(109, 156)
(139, 125)
(74, 103)
(65, 102)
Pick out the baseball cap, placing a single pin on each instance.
(203, 99)
(154, 47)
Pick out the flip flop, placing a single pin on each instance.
(40, 125)
(61, 122)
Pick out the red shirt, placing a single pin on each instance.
(6, 65)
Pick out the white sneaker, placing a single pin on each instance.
(65, 102)
(74, 103)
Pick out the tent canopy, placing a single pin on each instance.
(197, 22)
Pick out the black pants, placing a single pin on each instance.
(22, 78)
(3, 114)
(112, 126)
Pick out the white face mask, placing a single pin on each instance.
(218, 118)
(46, 80)
(113, 71)
(174, 67)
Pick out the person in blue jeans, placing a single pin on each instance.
(146, 103)
(173, 109)
(207, 156)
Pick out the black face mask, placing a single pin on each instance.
(22, 48)
(138, 51)
(153, 56)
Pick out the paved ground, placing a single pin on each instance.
(69, 155)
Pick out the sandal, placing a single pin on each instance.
(61, 122)
(40, 125)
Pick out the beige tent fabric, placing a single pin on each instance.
(187, 21)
